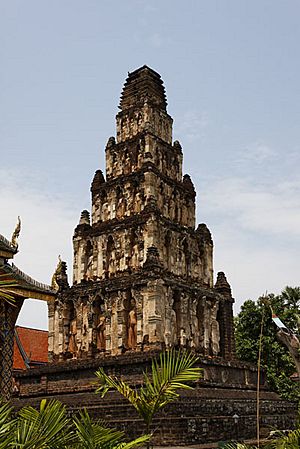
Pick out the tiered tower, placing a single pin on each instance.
(142, 275)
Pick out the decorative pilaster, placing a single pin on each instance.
(8, 316)
(227, 342)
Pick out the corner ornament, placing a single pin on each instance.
(59, 279)
(57, 271)
(15, 235)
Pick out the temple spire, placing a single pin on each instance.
(143, 85)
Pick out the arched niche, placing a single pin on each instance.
(110, 257)
(201, 323)
(130, 320)
(88, 260)
(70, 328)
(99, 324)
(176, 307)
(167, 249)
(134, 249)
(187, 257)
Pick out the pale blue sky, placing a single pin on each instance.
(231, 71)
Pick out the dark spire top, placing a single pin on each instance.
(98, 180)
(222, 286)
(141, 85)
(84, 217)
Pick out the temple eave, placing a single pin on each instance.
(26, 287)
(27, 292)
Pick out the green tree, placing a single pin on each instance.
(276, 359)
(172, 371)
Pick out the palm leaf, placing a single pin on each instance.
(290, 441)
(107, 383)
(48, 427)
(173, 371)
(239, 446)
(94, 435)
(134, 443)
(6, 425)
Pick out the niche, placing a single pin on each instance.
(70, 328)
(130, 319)
(99, 324)
(88, 261)
(200, 321)
(177, 309)
(134, 250)
(167, 245)
(110, 257)
(134, 155)
(187, 257)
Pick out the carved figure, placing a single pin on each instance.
(121, 208)
(138, 203)
(207, 326)
(215, 337)
(89, 268)
(132, 328)
(170, 323)
(215, 330)
(101, 333)
(72, 340)
(174, 340)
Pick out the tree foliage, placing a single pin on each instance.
(276, 359)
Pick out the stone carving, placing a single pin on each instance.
(101, 332)
(72, 338)
(139, 255)
(89, 263)
(215, 331)
(132, 327)
(59, 279)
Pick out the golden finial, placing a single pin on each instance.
(16, 233)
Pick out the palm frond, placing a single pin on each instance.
(239, 446)
(113, 383)
(134, 443)
(6, 425)
(290, 441)
(94, 434)
(48, 427)
(171, 372)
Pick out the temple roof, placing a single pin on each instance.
(27, 286)
(30, 348)
(141, 85)
(7, 250)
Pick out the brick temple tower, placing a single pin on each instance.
(142, 274)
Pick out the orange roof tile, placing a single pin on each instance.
(35, 346)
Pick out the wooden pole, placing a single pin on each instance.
(258, 380)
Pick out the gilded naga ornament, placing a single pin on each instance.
(16, 233)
